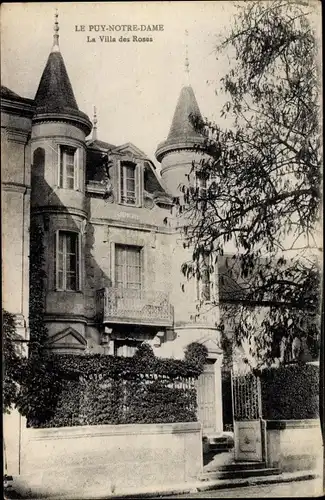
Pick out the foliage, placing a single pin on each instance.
(37, 275)
(196, 354)
(145, 351)
(35, 399)
(29, 382)
(13, 362)
(290, 392)
(69, 390)
(99, 389)
(261, 198)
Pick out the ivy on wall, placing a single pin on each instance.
(38, 383)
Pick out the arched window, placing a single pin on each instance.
(38, 162)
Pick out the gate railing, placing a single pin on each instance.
(247, 397)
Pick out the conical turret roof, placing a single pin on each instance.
(54, 93)
(54, 97)
(182, 126)
(182, 132)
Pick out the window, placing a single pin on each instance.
(67, 261)
(202, 185)
(129, 180)
(128, 267)
(204, 284)
(126, 348)
(68, 167)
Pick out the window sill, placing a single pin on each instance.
(69, 189)
(134, 205)
(206, 302)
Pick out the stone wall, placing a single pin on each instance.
(294, 445)
(108, 459)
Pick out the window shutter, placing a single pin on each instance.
(119, 180)
(76, 169)
(78, 262)
(214, 280)
(139, 184)
(59, 167)
(113, 280)
(144, 266)
(56, 259)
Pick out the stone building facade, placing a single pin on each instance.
(113, 249)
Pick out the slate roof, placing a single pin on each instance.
(182, 127)
(55, 93)
(100, 145)
(182, 130)
(5, 92)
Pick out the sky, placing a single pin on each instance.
(134, 85)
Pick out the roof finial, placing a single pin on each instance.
(55, 47)
(95, 124)
(187, 64)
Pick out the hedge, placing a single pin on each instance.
(290, 392)
(99, 389)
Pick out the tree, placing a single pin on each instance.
(13, 363)
(256, 193)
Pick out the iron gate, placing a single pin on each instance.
(249, 428)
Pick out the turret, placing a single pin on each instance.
(184, 142)
(58, 136)
(58, 200)
(182, 145)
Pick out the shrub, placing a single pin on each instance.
(99, 389)
(13, 363)
(196, 354)
(290, 392)
(144, 351)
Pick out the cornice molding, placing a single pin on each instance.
(129, 225)
(59, 210)
(78, 121)
(17, 135)
(16, 187)
(23, 107)
(192, 144)
(64, 317)
(58, 138)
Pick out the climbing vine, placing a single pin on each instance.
(37, 395)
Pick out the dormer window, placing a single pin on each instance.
(68, 167)
(128, 188)
(129, 183)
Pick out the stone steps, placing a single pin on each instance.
(242, 466)
(239, 471)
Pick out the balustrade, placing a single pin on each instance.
(126, 305)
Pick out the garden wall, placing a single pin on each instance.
(294, 444)
(106, 459)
